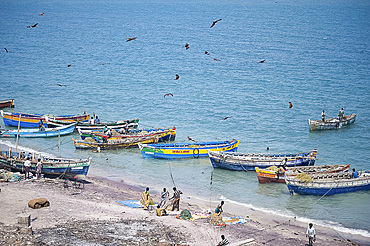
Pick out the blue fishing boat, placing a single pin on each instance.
(328, 184)
(248, 162)
(51, 167)
(37, 133)
(186, 150)
(32, 120)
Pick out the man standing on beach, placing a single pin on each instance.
(176, 199)
(27, 167)
(38, 169)
(311, 234)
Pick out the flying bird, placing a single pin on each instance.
(177, 77)
(206, 52)
(69, 65)
(33, 26)
(7, 51)
(61, 85)
(187, 46)
(226, 118)
(191, 139)
(261, 61)
(42, 14)
(216, 59)
(214, 23)
(168, 94)
(130, 39)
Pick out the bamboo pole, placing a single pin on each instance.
(58, 143)
(19, 124)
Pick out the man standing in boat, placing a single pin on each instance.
(41, 125)
(341, 114)
(323, 116)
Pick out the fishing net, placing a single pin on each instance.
(303, 177)
(273, 168)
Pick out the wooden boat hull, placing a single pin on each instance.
(35, 133)
(32, 120)
(113, 144)
(270, 176)
(329, 187)
(248, 162)
(164, 135)
(52, 167)
(186, 150)
(7, 103)
(331, 123)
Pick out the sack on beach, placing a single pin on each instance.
(38, 203)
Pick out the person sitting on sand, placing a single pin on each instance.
(223, 242)
(146, 200)
(311, 234)
(216, 217)
(160, 211)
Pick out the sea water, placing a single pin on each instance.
(317, 56)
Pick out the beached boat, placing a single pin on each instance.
(51, 167)
(125, 143)
(274, 175)
(7, 103)
(32, 120)
(186, 150)
(248, 162)
(86, 127)
(164, 134)
(331, 123)
(328, 184)
(36, 133)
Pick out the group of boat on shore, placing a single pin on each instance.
(297, 170)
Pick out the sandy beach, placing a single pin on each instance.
(90, 215)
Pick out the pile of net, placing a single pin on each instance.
(303, 177)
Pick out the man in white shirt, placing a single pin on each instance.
(311, 234)
(27, 167)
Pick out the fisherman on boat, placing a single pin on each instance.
(41, 125)
(97, 120)
(354, 173)
(92, 121)
(146, 200)
(341, 114)
(323, 116)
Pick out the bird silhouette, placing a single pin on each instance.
(225, 118)
(216, 59)
(261, 61)
(191, 139)
(214, 23)
(187, 46)
(177, 77)
(33, 26)
(168, 94)
(69, 65)
(206, 52)
(7, 51)
(61, 85)
(130, 39)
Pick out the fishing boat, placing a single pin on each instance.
(37, 133)
(86, 127)
(125, 143)
(32, 120)
(186, 150)
(274, 175)
(331, 123)
(51, 167)
(164, 134)
(248, 162)
(328, 184)
(7, 103)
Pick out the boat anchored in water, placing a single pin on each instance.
(331, 123)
